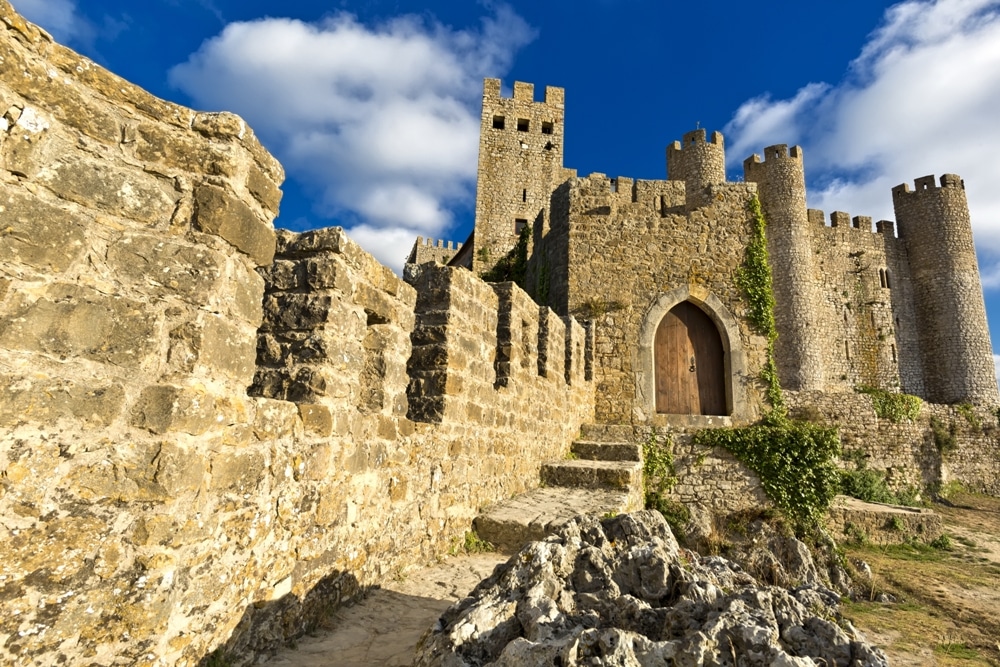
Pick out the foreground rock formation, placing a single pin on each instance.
(621, 592)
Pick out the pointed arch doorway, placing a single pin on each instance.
(689, 362)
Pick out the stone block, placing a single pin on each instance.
(285, 275)
(211, 345)
(238, 471)
(158, 142)
(46, 401)
(264, 190)
(246, 292)
(301, 312)
(275, 419)
(167, 408)
(129, 193)
(37, 234)
(71, 321)
(164, 267)
(326, 272)
(316, 419)
(221, 213)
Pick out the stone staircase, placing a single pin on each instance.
(603, 476)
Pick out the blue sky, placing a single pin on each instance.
(372, 105)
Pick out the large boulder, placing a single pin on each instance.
(620, 591)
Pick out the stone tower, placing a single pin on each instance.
(781, 185)
(956, 354)
(697, 162)
(520, 164)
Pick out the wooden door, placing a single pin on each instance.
(690, 363)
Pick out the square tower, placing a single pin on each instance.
(520, 164)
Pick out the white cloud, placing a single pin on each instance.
(382, 120)
(923, 97)
(59, 17)
(996, 365)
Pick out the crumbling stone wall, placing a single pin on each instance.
(152, 510)
(966, 448)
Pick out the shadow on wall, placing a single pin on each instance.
(268, 625)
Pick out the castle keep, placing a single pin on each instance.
(213, 432)
(655, 265)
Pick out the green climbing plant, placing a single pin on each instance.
(755, 279)
(514, 265)
(659, 477)
(895, 407)
(796, 463)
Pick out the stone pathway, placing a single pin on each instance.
(384, 628)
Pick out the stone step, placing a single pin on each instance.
(622, 475)
(607, 433)
(607, 451)
(534, 515)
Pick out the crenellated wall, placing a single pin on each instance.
(151, 510)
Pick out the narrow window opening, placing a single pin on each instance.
(881, 278)
(498, 122)
(524, 195)
(873, 317)
(519, 225)
(522, 125)
(845, 317)
(614, 185)
(893, 348)
(847, 350)
(547, 128)
(888, 279)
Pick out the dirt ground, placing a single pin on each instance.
(946, 601)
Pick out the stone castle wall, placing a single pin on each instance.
(865, 314)
(909, 452)
(672, 253)
(152, 509)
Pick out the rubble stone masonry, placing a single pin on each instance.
(153, 510)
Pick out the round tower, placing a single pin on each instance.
(781, 186)
(698, 162)
(955, 348)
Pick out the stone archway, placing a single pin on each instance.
(734, 360)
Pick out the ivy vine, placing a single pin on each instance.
(659, 477)
(756, 281)
(895, 407)
(796, 462)
(514, 265)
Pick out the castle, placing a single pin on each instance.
(213, 432)
(655, 263)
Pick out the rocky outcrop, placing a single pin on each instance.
(621, 592)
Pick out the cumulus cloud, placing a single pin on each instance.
(382, 121)
(59, 17)
(921, 98)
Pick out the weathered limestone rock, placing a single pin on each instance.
(621, 592)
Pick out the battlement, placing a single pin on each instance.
(776, 152)
(842, 220)
(924, 183)
(699, 136)
(431, 243)
(523, 92)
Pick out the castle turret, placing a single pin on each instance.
(697, 162)
(520, 164)
(781, 185)
(955, 349)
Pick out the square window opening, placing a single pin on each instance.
(547, 128)
(523, 125)
(519, 225)
(498, 122)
